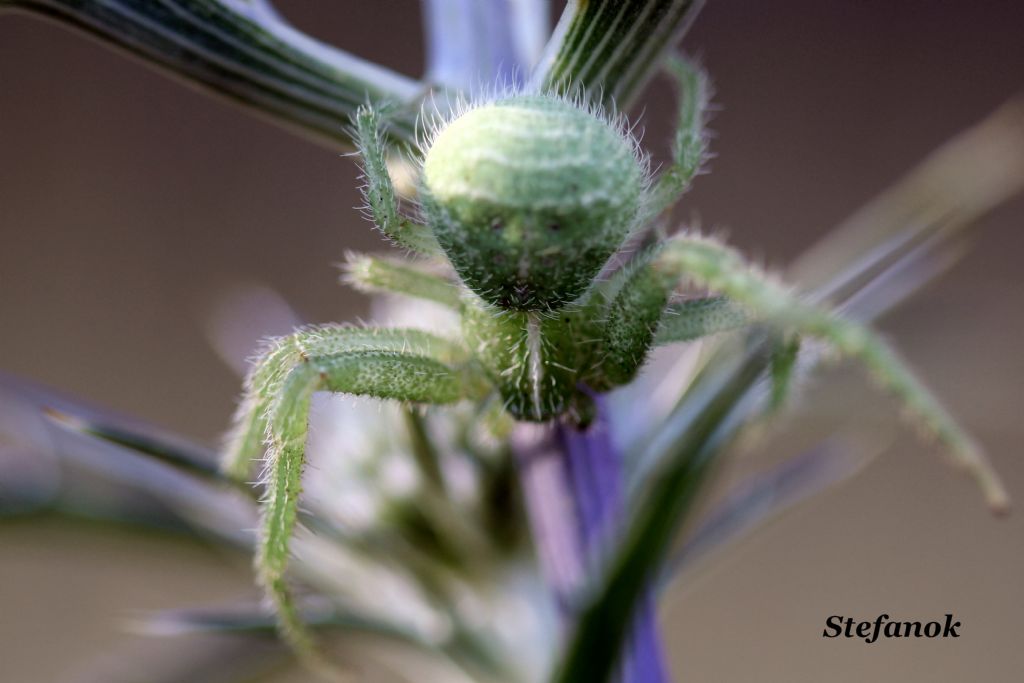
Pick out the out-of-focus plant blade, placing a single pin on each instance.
(221, 512)
(473, 44)
(967, 177)
(244, 52)
(949, 190)
(29, 482)
(254, 621)
(204, 658)
(766, 495)
(611, 49)
(33, 482)
(44, 416)
(187, 458)
(907, 274)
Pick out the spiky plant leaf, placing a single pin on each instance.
(243, 51)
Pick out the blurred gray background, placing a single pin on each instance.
(128, 203)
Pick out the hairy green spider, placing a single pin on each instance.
(530, 198)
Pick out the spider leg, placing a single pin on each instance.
(379, 192)
(405, 365)
(689, 148)
(698, 318)
(376, 275)
(636, 318)
(634, 300)
(711, 264)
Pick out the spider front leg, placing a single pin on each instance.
(697, 318)
(379, 192)
(378, 275)
(711, 264)
(637, 316)
(689, 147)
(405, 365)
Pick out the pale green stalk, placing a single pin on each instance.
(243, 51)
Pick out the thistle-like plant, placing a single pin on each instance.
(535, 221)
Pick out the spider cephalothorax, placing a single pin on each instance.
(524, 201)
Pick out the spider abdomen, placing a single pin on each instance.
(529, 196)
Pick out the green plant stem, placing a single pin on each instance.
(244, 52)
(611, 49)
(603, 625)
(428, 460)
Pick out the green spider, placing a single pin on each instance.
(529, 198)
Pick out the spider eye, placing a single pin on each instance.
(529, 197)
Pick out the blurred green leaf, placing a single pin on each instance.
(761, 497)
(205, 658)
(461, 648)
(172, 451)
(244, 52)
